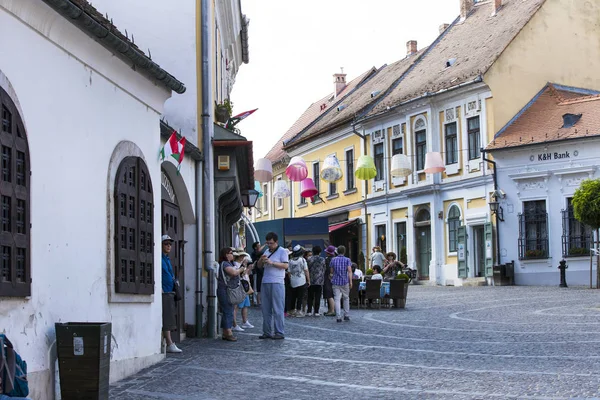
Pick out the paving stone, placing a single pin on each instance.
(449, 343)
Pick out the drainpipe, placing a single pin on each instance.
(199, 236)
(483, 151)
(207, 227)
(364, 139)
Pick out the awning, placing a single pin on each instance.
(341, 225)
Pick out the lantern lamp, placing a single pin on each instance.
(332, 171)
(400, 166)
(296, 171)
(434, 163)
(263, 170)
(281, 190)
(307, 188)
(249, 198)
(365, 168)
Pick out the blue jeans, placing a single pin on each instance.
(4, 397)
(226, 308)
(272, 296)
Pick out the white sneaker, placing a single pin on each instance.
(316, 314)
(247, 325)
(299, 314)
(172, 348)
(237, 328)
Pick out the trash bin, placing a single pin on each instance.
(499, 272)
(84, 359)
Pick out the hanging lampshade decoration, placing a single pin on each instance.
(307, 188)
(281, 190)
(434, 163)
(263, 170)
(297, 170)
(401, 167)
(258, 188)
(331, 171)
(365, 168)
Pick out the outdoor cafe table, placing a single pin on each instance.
(385, 288)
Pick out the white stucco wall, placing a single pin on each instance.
(524, 177)
(78, 103)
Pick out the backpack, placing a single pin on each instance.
(13, 371)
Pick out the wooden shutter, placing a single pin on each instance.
(489, 248)
(461, 249)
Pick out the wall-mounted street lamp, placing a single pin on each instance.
(249, 198)
(496, 208)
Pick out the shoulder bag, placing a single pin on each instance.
(234, 295)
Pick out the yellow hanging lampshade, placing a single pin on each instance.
(400, 166)
(331, 171)
(365, 168)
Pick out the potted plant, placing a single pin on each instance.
(369, 272)
(399, 295)
(223, 111)
(579, 251)
(403, 258)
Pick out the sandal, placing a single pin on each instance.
(230, 338)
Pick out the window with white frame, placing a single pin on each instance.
(474, 138)
(265, 209)
(451, 142)
(279, 199)
(453, 225)
(420, 143)
(316, 180)
(378, 158)
(349, 169)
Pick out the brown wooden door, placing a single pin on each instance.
(173, 226)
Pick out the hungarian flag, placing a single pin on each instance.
(173, 150)
(237, 118)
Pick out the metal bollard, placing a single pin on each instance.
(563, 266)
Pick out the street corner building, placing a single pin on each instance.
(80, 108)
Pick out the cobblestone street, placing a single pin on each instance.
(449, 343)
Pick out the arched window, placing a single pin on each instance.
(420, 130)
(134, 228)
(453, 224)
(423, 215)
(15, 270)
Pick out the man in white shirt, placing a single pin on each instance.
(377, 258)
(275, 263)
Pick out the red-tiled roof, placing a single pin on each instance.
(542, 120)
(356, 101)
(474, 44)
(312, 112)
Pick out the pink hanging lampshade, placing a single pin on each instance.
(307, 188)
(401, 167)
(296, 171)
(331, 171)
(434, 163)
(263, 170)
(281, 190)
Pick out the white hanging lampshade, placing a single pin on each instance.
(400, 166)
(434, 163)
(263, 170)
(365, 168)
(281, 190)
(296, 171)
(308, 188)
(257, 187)
(331, 171)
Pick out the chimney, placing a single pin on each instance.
(339, 82)
(443, 28)
(465, 8)
(497, 6)
(411, 48)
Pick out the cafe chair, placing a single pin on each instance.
(373, 290)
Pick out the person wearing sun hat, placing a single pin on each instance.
(327, 288)
(299, 277)
(242, 259)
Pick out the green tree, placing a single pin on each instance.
(586, 208)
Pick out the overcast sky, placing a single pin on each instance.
(296, 47)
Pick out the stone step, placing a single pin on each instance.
(474, 282)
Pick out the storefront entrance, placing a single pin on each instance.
(423, 239)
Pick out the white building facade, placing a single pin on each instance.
(79, 126)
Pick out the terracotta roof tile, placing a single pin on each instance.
(474, 43)
(542, 120)
(358, 100)
(277, 153)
